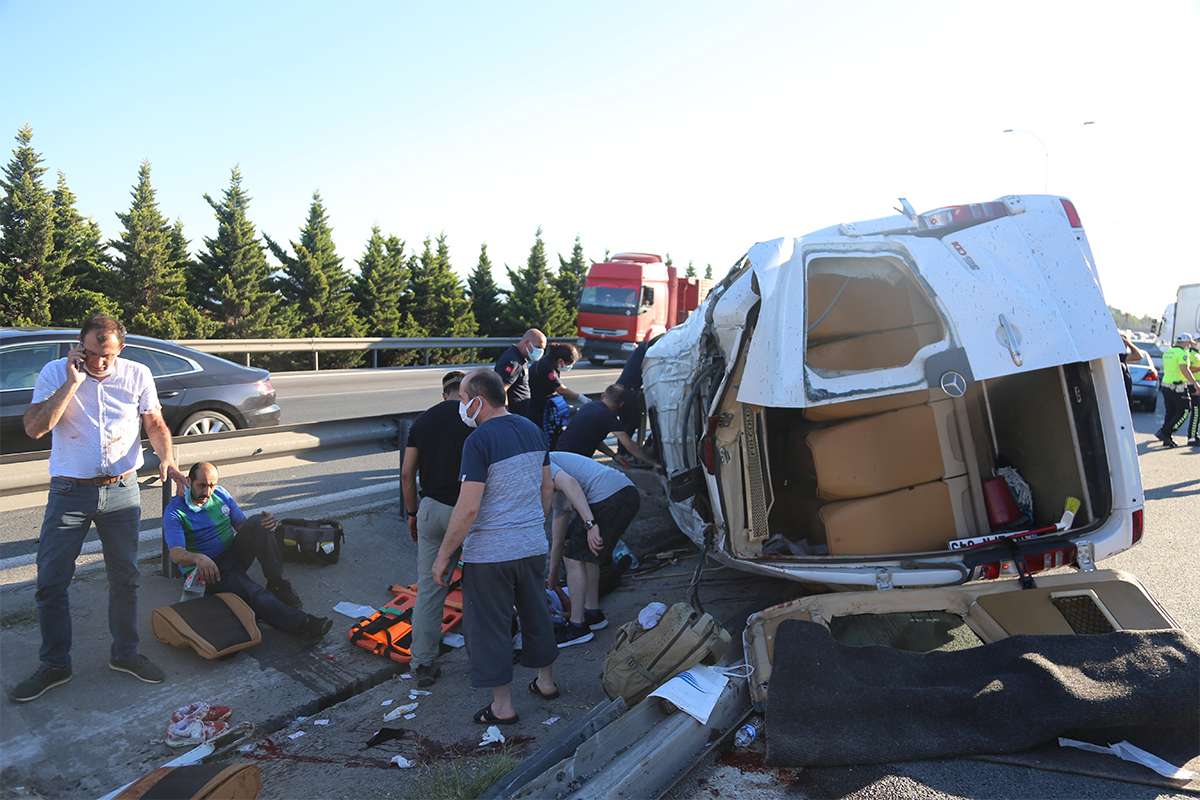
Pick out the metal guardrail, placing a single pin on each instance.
(372, 344)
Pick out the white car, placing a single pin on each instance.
(839, 408)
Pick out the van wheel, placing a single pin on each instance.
(597, 361)
(203, 422)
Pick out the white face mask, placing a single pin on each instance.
(566, 367)
(471, 421)
(536, 354)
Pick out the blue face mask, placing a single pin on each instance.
(536, 354)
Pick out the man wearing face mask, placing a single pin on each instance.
(545, 380)
(499, 521)
(207, 531)
(513, 369)
(434, 454)
(93, 404)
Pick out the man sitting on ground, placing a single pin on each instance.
(207, 531)
(613, 501)
(591, 424)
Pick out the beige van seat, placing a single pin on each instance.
(856, 306)
(884, 452)
(871, 405)
(914, 520)
(882, 350)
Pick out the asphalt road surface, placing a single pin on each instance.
(350, 394)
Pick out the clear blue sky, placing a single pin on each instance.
(690, 128)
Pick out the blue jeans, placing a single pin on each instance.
(71, 509)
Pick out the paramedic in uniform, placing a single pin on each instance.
(513, 369)
(1178, 387)
(545, 379)
(500, 523)
(93, 404)
(433, 453)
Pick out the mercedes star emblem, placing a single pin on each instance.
(954, 384)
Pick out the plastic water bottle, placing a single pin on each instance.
(620, 552)
(746, 734)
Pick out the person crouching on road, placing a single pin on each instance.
(499, 521)
(92, 403)
(207, 531)
(591, 425)
(591, 532)
(434, 452)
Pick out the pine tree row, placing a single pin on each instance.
(55, 269)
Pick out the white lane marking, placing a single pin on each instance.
(155, 534)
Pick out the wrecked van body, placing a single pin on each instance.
(835, 409)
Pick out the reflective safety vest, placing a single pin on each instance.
(1173, 358)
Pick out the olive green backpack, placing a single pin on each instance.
(641, 660)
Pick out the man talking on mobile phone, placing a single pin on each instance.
(93, 403)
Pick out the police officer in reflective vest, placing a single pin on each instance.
(1178, 388)
(1193, 416)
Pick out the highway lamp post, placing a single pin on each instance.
(1045, 151)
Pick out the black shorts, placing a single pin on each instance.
(613, 515)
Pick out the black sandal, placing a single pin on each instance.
(533, 687)
(485, 716)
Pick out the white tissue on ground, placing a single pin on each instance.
(491, 736)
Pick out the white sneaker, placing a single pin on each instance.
(192, 732)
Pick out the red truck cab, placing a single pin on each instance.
(630, 298)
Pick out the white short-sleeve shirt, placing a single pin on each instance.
(98, 433)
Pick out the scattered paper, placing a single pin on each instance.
(402, 762)
(1128, 752)
(321, 722)
(247, 748)
(400, 711)
(354, 610)
(387, 702)
(454, 640)
(551, 720)
(649, 616)
(295, 735)
(491, 736)
(695, 691)
(419, 693)
(410, 716)
(406, 676)
(301, 719)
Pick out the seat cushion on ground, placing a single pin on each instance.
(920, 519)
(865, 408)
(874, 351)
(857, 306)
(881, 453)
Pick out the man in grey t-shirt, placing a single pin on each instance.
(586, 533)
(499, 521)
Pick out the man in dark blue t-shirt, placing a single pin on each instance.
(500, 523)
(513, 368)
(590, 425)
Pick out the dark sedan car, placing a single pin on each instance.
(200, 393)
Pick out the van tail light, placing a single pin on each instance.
(1152, 376)
(963, 216)
(1137, 526)
(1072, 214)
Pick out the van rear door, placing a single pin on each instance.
(957, 617)
(1015, 287)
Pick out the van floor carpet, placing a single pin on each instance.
(831, 704)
